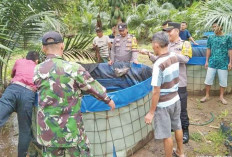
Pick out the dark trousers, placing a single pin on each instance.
(18, 99)
(184, 113)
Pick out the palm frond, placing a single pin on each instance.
(76, 47)
(168, 6)
(220, 11)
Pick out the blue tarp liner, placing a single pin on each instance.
(197, 61)
(199, 50)
(132, 86)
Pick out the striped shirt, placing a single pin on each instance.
(166, 76)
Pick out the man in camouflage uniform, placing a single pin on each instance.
(124, 47)
(60, 128)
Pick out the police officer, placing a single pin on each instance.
(183, 51)
(124, 47)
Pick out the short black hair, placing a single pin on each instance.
(184, 22)
(219, 24)
(166, 22)
(32, 55)
(215, 22)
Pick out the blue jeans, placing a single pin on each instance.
(18, 99)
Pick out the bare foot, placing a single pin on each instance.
(204, 99)
(177, 154)
(223, 101)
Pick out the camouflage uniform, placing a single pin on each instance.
(59, 119)
(124, 49)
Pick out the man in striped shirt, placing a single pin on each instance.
(165, 108)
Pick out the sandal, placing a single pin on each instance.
(204, 99)
(174, 154)
(223, 101)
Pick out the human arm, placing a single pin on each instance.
(194, 42)
(156, 83)
(230, 62)
(151, 56)
(182, 58)
(87, 84)
(112, 54)
(208, 52)
(134, 51)
(13, 70)
(109, 42)
(191, 38)
(96, 48)
(155, 98)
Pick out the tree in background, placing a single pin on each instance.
(180, 4)
(81, 15)
(216, 10)
(147, 18)
(117, 12)
(22, 23)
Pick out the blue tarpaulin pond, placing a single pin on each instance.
(133, 85)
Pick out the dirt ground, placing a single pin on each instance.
(205, 140)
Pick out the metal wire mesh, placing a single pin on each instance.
(196, 76)
(124, 128)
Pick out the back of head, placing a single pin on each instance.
(161, 38)
(52, 42)
(32, 55)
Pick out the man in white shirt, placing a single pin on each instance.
(102, 44)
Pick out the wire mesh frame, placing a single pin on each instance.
(195, 81)
(138, 133)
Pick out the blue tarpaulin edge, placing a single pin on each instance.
(121, 97)
(197, 61)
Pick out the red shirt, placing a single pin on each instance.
(23, 71)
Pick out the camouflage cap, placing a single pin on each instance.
(172, 25)
(122, 26)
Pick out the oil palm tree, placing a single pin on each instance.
(148, 17)
(21, 22)
(217, 10)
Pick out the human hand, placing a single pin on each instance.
(112, 104)
(149, 117)
(136, 62)
(144, 51)
(229, 66)
(110, 62)
(206, 65)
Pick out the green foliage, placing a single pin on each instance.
(214, 145)
(179, 3)
(81, 15)
(147, 18)
(22, 22)
(217, 10)
(75, 47)
(196, 137)
(191, 15)
(117, 11)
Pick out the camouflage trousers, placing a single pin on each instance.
(65, 152)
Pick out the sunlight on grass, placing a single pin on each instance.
(216, 147)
